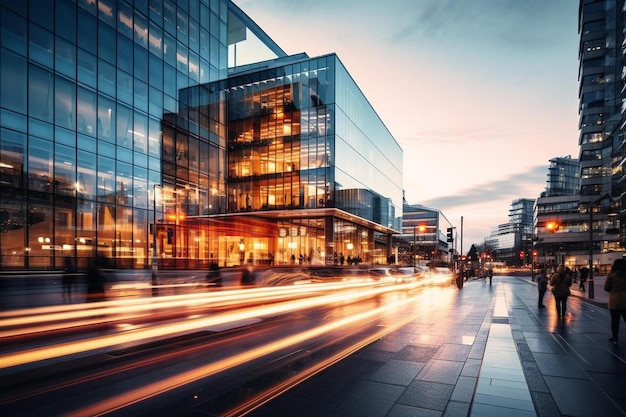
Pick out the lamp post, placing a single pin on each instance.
(593, 203)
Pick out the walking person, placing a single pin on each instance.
(560, 282)
(95, 280)
(542, 286)
(615, 285)
(69, 276)
(490, 274)
(584, 273)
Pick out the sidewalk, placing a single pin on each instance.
(600, 296)
(479, 351)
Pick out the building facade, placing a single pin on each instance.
(562, 234)
(601, 94)
(124, 134)
(511, 242)
(579, 224)
(424, 237)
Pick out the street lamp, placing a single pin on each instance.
(593, 203)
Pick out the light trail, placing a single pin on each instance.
(172, 329)
(58, 315)
(128, 398)
(267, 395)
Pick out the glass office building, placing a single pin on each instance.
(124, 134)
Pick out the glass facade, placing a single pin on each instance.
(282, 162)
(84, 89)
(122, 134)
(601, 31)
(424, 236)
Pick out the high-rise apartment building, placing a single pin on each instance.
(601, 79)
(124, 132)
(601, 62)
(601, 110)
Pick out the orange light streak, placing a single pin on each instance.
(213, 299)
(150, 390)
(159, 331)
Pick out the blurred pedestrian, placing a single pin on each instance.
(584, 274)
(214, 277)
(95, 279)
(247, 277)
(542, 286)
(490, 274)
(615, 285)
(560, 282)
(69, 276)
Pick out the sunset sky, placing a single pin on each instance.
(480, 94)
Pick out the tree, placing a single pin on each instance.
(472, 255)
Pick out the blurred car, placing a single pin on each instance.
(408, 274)
(440, 274)
(275, 277)
(381, 274)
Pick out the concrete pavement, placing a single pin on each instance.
(489, 351)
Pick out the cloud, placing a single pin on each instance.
(512, 187)
(461, 135)
(485, 206)
(498, 23)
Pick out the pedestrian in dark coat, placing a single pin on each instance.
(560, 282)
(69, 276)
(542, 286)
(584, 274)
(615, 284)
(95, 280)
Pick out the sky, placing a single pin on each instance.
(480, 94)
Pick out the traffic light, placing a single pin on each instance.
(450, 234)
(522, 254)
(534, 253)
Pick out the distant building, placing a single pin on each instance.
(571, 227)
(561, 222)
(423, 236)
(512, 242)
(563, 177)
